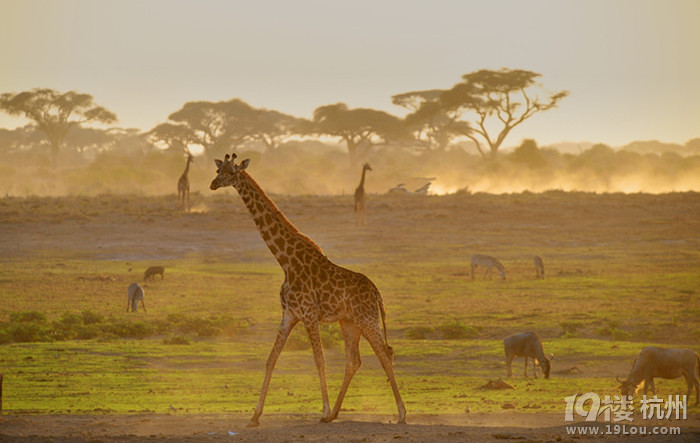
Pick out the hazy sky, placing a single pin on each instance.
(633, 67)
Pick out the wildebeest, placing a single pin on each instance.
(665, 363)
(153, 271)
(135, 293)
(528, 345)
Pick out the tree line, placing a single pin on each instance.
(484, 107)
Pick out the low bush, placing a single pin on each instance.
(34, 327)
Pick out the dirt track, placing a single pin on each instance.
(211, 428)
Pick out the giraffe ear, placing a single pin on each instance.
(218, 164)
(244, 164)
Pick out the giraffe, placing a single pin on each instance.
(360, 197)
(314, 290)
(183, 186)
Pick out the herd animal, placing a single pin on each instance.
(654, 362)
(135, 294)
(528, 345)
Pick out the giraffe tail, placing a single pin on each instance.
(389, 349)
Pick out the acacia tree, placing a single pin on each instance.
(359, 128)
(432, 124)
(85, 140)
(217, 125)
(498, 101)
(273, 128)
(175, 137)
(54, 113)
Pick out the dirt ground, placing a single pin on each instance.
(352, 428)
(153, 229)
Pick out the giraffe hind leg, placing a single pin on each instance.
(381, 350)
(351, 335)
(286, 327)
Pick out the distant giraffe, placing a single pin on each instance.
(314, 290)
(360, 197)
(183, 186)
(488, 262)
(539, 267)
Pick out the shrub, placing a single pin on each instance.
(89, 318)
(29, 332)
(419, 332)
(570, 327)
(177, 340)
(29, 316)
(614, 332)
(456, 331)
(331, 336)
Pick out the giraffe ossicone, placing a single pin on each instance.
(314, 290)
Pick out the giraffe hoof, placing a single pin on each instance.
(253, 424)
(326, 419)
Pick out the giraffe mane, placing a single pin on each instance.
(276, 211)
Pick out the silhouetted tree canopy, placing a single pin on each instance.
(217, 126)
(273, 128)
(55, 113)
(89, 139)
(433, 126)
(359, 128)
(484, 107)
(175, 137)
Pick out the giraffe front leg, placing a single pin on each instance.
(351, 335)
(288, 323)
(319, 358)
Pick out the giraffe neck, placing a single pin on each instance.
(362, 180)
(289, 246)
(187, 168)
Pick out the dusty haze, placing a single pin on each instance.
(312, 168)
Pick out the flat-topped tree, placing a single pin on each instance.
(55, 113)
(433, 126)
(495, 102)
(216, 125)
(359, 128)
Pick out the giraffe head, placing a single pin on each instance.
(367, 167)
(228, 172)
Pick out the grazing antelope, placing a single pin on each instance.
(153, 271)
(488, 262)
(528, 345)
(665, 363)
(539, 267)
(135, 294)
